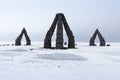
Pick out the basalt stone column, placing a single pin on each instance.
(92, 43)
(102, 43)
(102, 40)
(47, 40)
(28, 41)
(71, 40)
(59, 40)
(17, 42)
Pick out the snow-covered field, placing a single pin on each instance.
(36, 63)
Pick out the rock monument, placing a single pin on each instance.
(59, 21)
(92, 40)
(18, 40)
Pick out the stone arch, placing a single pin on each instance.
(92, 40)
(59, 20)
(19, 38)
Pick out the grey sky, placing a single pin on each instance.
(83, 16)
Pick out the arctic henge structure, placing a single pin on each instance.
(59, 21)
(19, 38)
(92, 40)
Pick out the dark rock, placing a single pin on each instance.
(108, 44)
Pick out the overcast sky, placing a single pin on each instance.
(83, 17)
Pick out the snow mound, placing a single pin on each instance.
(60, 56)
(17, 50)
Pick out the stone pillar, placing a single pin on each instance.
(71, 41)
(47, 40)
(92, 42)
(59, 39)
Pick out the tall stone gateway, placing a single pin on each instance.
(19, 38)
(92, 40)
(59, 21)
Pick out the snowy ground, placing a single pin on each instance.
(84, 63)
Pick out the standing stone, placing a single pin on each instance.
(71, 41)
(47, 41)
(59, 40)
